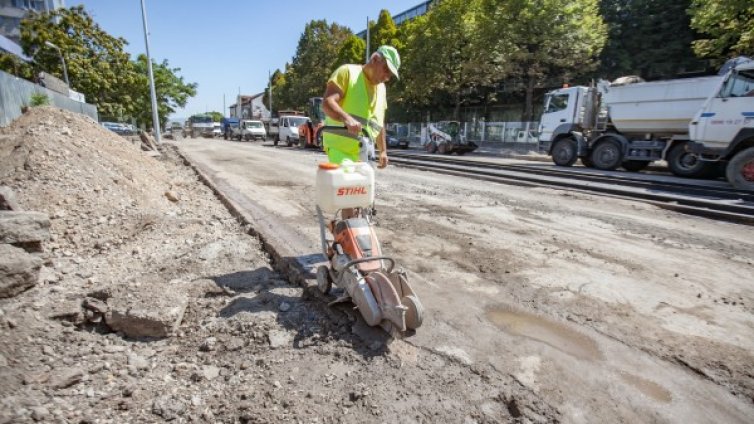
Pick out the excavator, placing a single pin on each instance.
(310, 132)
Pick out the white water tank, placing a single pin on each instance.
(349, 185)
(659, 107)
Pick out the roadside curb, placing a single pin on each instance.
(296, 269)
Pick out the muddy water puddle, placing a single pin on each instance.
(647, 387)
(551, 333)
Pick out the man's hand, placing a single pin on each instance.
(383, 160)
(354, 126)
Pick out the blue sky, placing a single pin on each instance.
(223, 45)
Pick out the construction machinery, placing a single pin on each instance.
(357, 266)
(691, 123)
(445, 137)
(310, 132)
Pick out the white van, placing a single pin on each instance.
(288, 129)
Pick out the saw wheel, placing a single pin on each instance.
(324, 282)
(415, 313)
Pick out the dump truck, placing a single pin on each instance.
(199, 125)
(630, 123)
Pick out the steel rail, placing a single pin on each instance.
(624, 178)
(726, 205)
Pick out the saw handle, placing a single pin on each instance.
(373, 258)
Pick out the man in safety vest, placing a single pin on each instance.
(355, 98)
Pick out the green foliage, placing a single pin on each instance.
(216, 116)
(97, 64)
(39, 99)
(352, 51)
(439, 61)
(727, 27)
(99, 67)
(384, 31)
(172, 91)
(312, 65)
(647, 38)
(538, 42)
(15, 66)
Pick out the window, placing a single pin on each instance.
(740, 84)
(557, 103)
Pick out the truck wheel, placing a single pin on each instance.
(288, 141)
(688, 165)
(607, 155)
(635, 165)
(740, 170)
(564, 152)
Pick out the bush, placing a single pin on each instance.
(39, 99)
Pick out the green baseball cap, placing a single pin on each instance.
(392, 58)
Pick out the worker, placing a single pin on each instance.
(355, 98)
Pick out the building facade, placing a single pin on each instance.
(252, 107)
(12, 11)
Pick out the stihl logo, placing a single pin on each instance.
(351, 191)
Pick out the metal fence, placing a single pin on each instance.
(479, 132)
(16, 93)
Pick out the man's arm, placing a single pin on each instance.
(331, 105)
(382, 146)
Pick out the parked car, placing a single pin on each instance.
(119, 128)
(393, 141)
(217, 130)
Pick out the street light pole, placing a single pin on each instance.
(62, 59)
(155, 117)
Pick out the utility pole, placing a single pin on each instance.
(269, 82)
(366, 59)
(155, 117)
(223, 104)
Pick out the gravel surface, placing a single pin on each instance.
(605, 310)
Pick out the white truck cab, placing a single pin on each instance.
(288, 128)
(250, 130)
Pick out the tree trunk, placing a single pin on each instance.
(528, 111)
(457, 109)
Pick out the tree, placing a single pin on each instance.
(98, 66)
(541, 41)
(647, 38)
(440, 64)
(15, 66)
(216, 116)
(352, 51)
(314, 61)
(172, 91)
(277, 81)
(384, 31)
(727, 27)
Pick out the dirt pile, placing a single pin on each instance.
(206, 330)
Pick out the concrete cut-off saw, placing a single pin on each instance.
(368, 279)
